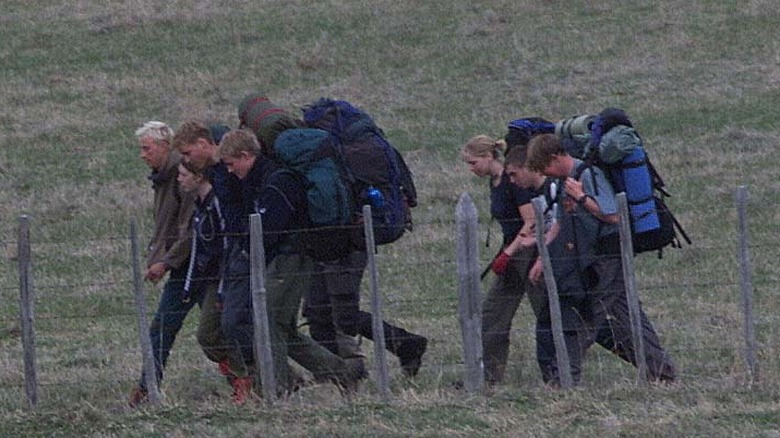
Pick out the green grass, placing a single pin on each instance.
(699, 79)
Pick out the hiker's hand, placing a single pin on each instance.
(526, 236)
(535, 274)
(573, 188)
(500, 263)
(527, 241)
(155, 272)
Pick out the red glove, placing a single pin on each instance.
(500, 263)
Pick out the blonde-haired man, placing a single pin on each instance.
(279, 196)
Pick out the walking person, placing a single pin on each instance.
(280, 197)
(169, 247)
(198, 145)
(332, 309)
(591, 197)
(562, 242)
(203, 278)
(511, 207)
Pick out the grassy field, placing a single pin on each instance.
(700, 79)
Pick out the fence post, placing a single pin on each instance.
(377, 316)
(561, 353)
(149, 368)
(469, 295)
(746, 284)
(629, 279)
(263, 353)
(27, 312)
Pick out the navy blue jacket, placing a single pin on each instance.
(208, 243)
(279, 195)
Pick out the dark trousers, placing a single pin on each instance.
(236, 319)
(333, 305)
(611, 324)
(574, 311)
(171, 312)
(211, 337)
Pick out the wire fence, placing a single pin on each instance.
(714, 325)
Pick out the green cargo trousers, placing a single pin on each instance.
(211, 337)
(288, 276)
(498, 310)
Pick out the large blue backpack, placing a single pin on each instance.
(608, 140)
(313, 155)
(378, 174)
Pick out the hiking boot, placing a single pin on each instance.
(242, 389)
(349, 382)
(410, 354)
(224, 369)
(348, 346)
(138, 395)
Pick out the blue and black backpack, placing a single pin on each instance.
(608, 140)
(377, 173)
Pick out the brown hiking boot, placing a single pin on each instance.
(137, 396)
(349, 381)
(242, 389)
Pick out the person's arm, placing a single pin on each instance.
(179, 252)
(537, 269)
(280, 200)
(525, 237)
(577, 192)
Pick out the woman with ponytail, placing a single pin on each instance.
(511, 207)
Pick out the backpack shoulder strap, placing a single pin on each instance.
(581, 168)
(407, 181)
(301, 179)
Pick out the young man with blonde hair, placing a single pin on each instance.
(279, 196)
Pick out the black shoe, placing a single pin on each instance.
(410, 353)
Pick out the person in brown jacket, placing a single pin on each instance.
(169, 249)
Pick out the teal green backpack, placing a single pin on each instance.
(314, 155)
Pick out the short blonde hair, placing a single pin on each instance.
(483, 146)
(156, 130)
(237, 141)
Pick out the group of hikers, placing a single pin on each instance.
(582, 238)
(209, 180)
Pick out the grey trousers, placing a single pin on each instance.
(611, 326)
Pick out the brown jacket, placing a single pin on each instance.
(170, 242)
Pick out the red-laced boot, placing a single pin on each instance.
(224, 369)
(242, 389)
(137, 396)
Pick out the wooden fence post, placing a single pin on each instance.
(561, 353)
(27, 312)
(263, 352)
(629, 279)
(377, 317)
(746, 284)
(469, 295)
(149, 368)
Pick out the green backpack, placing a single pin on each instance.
(314, 156)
